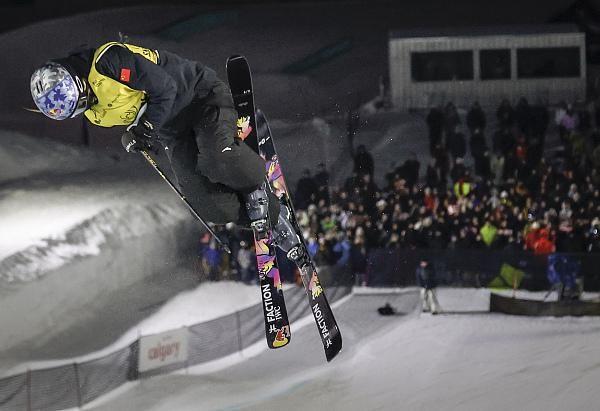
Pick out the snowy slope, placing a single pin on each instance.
(59, 201)
(24, 156)
(460, 361)
(77, 230)
(203, 303)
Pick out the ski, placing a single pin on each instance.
(321, 310)
(277, 326)
(254, 129)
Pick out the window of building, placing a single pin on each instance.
(494, 64)
(442, 65)
(548, 62)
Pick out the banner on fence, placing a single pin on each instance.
(163, 349)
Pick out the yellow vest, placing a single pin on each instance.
(118, 104)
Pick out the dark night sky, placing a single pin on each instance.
(17, 13)
(273, 34)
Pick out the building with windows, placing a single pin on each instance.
(487, 64)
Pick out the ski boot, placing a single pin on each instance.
(285, 237)
(258, 206)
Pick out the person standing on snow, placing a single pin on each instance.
(427, 281)
(162, 98)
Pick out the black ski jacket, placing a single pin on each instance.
(170, 85)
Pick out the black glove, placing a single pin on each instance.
(139, 137)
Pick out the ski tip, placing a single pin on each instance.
(282, 337)
(335, 347)
(235, 57)
(279, 344)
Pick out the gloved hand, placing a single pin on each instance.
(139, 137)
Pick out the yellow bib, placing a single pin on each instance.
(118, 105)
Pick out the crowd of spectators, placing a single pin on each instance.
(510, 194)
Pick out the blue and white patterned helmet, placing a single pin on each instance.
(58, 93)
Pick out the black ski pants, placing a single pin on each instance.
(213, 168)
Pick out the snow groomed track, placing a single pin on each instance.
(466, 359)
(266, 374)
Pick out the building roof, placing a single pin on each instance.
(478, 31)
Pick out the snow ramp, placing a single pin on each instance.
(258, 375)
(51, 291)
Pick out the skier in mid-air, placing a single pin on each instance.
(181, 105)
(162, 98)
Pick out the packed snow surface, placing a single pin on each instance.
(465, 359)
(48, 189)
(77, 230)
(203, 303)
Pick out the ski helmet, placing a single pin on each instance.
(58, 91)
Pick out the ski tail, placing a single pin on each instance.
(277, 325)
